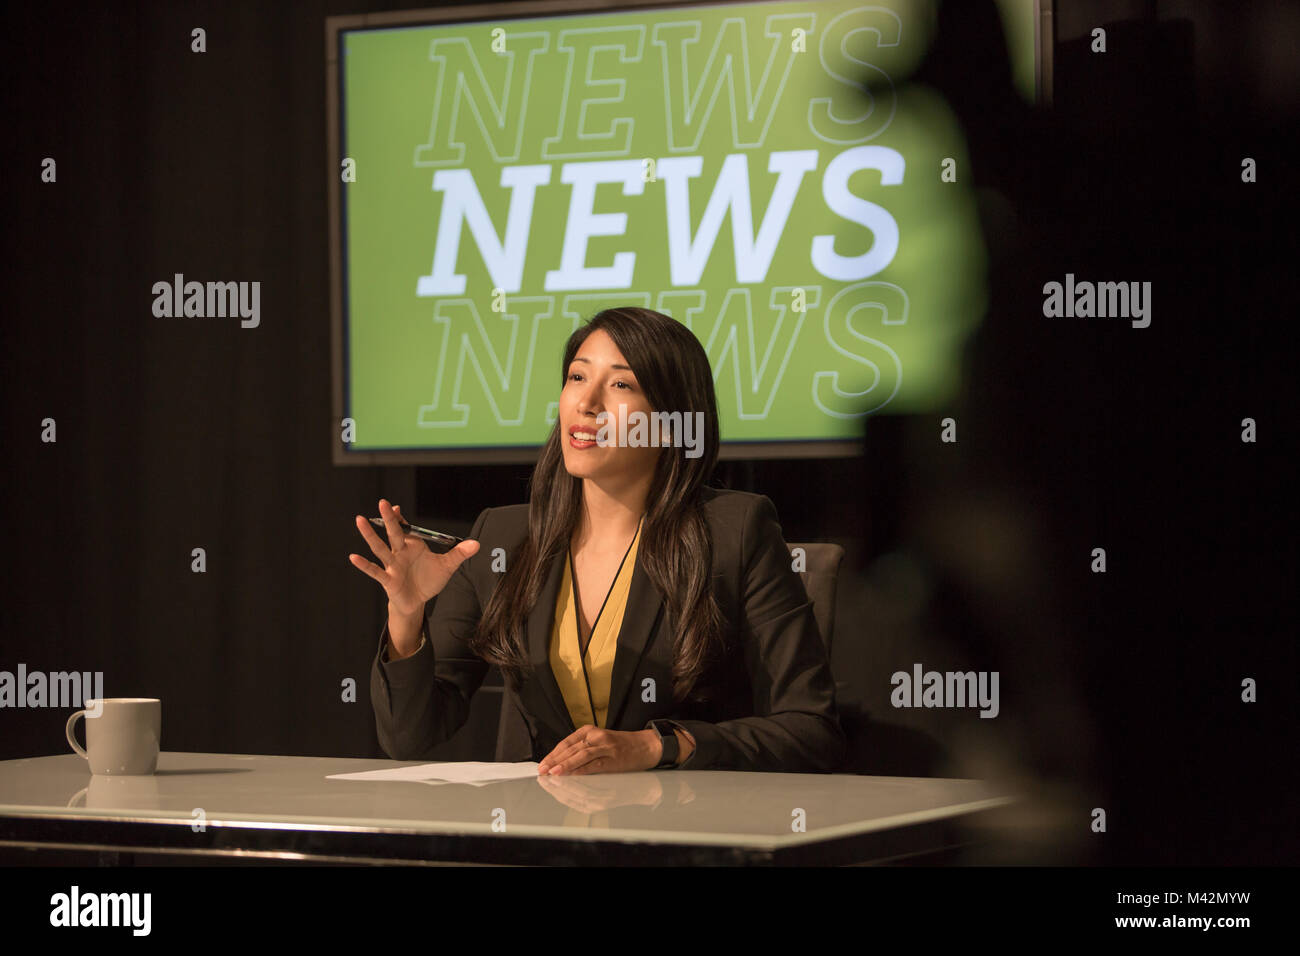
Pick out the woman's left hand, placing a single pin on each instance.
(589, 749)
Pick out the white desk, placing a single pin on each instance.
(284, 808)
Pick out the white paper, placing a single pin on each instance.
(476, 773)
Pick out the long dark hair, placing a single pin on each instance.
(676, 547)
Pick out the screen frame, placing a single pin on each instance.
(335, 26)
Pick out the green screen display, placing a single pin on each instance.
(760, 172)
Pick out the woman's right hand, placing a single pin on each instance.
(412, 575)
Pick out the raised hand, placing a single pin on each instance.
(411, 574)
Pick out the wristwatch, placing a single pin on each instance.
(671, 747)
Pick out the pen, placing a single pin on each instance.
(424, 534)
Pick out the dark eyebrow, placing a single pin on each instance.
(588, 361)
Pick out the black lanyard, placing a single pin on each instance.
(577, 612)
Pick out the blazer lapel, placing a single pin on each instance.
(639, 618)
(540, 622)
(644, 603)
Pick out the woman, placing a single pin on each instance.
(640, 618)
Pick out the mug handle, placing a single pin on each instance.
(72, 740)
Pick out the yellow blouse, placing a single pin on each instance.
(565, 661)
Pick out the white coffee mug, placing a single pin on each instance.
(122, 734)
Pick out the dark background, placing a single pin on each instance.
(1118, 690)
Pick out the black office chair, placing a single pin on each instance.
(822, 568)
(819, 580)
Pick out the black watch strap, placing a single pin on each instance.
(671, 746)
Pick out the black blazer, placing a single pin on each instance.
(769, 704)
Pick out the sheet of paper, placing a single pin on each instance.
(473, 772)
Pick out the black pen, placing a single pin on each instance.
(424, 534)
